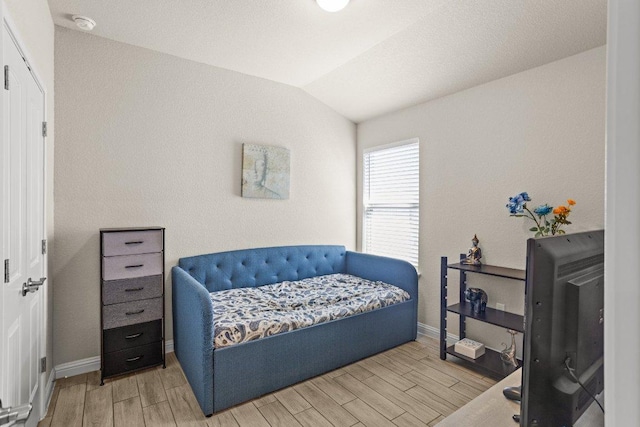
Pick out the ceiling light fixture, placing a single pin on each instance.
(332, 5)
(83, 22)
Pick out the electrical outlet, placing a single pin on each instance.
(499, 306)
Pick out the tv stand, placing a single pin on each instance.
(491, 408)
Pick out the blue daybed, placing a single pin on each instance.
(223, 377)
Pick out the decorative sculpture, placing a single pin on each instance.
(478, 299)
(508, 355)
(475, 253)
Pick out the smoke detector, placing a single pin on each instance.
(83, 22)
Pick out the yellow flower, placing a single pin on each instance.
(571, 202)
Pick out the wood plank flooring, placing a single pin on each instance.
(406, 386)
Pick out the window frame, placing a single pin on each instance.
(365, 193)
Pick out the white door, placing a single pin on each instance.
(23, 230)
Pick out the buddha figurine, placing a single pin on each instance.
(475, 253)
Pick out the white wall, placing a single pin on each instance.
(34, 26)
(150, 139)
(540, 131)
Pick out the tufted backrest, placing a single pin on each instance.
(263, 266)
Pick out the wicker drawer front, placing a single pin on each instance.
(124, 290)
(117, 339)
(130, 266)
(132, 358)
(129, 313)
(131, 242)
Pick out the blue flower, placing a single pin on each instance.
(543, 210)
(513, 207)
(525, 196)
(516, 204)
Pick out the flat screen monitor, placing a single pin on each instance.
(563, 342)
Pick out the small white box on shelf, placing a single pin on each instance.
(469, 348)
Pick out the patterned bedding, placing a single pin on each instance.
(247, 314)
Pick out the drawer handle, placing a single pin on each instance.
(139, 242)
(134, 266)
(130, 337)
(129, 313)
(134, 289)
(134, 359)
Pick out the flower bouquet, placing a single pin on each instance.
(544, 227)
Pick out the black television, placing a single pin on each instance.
(564, 333)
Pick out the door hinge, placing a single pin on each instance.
(6, 77)
(44, 246)
(44, 128)
(6, 271)
(43, 365)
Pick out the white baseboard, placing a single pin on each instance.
(49, 387)
(89, 364)
(48, 392)
(433, 332)
(77, 367)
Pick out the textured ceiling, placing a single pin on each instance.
(374, 57)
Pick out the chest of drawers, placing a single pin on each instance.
(132, 299)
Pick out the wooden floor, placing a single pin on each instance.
(406, 386)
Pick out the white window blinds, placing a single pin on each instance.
(392, 201)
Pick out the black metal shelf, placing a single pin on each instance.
(491, 315)
(489, 362)
(491, 270)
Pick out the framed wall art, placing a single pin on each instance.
(265, 172)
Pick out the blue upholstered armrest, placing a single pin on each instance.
(193, 334)
(389, 270)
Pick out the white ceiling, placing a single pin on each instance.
(374, 57)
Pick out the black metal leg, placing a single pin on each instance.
(443, 307)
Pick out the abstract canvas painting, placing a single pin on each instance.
(265, 172)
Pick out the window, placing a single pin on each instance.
(391, 199)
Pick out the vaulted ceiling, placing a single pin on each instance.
(373, 57)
